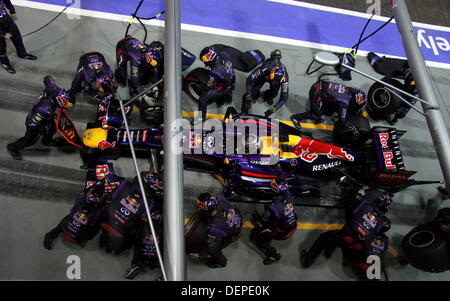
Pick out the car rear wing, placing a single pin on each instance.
(386, 144)
(387, 166)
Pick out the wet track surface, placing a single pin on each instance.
(37, 192)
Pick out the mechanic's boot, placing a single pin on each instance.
(272, 259)
(215, 265)
(133, 271)
(319, 120)
(49, 238)
(9, 68)
(444, 193)
(296, 122)
(303, 258)
(50, 142)
(372, 56)
(14, 153)
(29, 57)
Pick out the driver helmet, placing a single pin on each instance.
(152, 57)
(206, 201)
(277, 75)
(65, 99)
(208, 55)
(275, 55)
(384, 203)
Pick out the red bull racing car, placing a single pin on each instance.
(248, 151)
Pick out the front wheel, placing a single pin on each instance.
(381, 101)
(194, 83)
(196, 231)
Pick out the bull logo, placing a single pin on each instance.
(309, 150)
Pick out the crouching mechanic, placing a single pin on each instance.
(146, 63)
(82, 223)
(221, 81)
(145, 254)
(327, 97)
(121, 218)
(224, 227)
(94, 76)
(271, 71)
(41, 120)
(362, 235)
(8, 28)
(279, 222)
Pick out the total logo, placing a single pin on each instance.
(434, 43)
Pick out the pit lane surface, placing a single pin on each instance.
(37, 192)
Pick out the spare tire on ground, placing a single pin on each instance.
(381, 102)
(425, 248)
(194, 83)
(343, 135)
(196, 231)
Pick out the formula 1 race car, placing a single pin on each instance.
(247, 151)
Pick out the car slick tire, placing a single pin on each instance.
(381, 102)
(425, 248)
(196, 231)
(194, 83)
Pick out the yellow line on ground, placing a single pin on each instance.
(313, 226)
(305, 125)
(393, 251)
(300, 226)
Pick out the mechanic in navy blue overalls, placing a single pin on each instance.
(145, 254)
(271, 71)
(279, 222)
(120, 219)
(224, 227)
(82, 223)
(221, 81)
(95, 76)
(9, 27)
(146, 63)
(41, 120)
(361, 236)
(325, 96)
